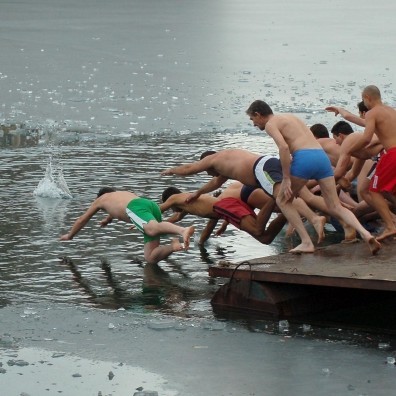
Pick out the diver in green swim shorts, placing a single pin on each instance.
(144, 214)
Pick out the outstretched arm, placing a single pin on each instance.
(80, 222)
(207, 231)
(107, 220)
(189, 169)
(177, 216)
(346, 115)
(213, 184)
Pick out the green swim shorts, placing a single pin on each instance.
(141, 211)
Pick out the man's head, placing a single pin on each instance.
(259, 113)
(168, 192)
(371, 95)
(210, 171)
(319, 131)
(340, 130)
(362, 109)
(105, 190)
(206, 153)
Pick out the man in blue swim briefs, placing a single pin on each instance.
(144, 214)
(302, 158)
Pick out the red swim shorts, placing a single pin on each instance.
(233, 210)
(384, 179)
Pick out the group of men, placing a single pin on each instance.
(274, 184)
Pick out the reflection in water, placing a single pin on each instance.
(158, 289)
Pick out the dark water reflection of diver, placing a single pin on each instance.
(159, 289)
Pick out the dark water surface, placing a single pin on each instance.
(104, 267)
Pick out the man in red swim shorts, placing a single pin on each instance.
(231, 209)
(381, 121)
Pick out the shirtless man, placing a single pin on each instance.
(380, 120)
(249, 169)
(256, 198)
(244, 166)
(143, 213)
(229, 208)
(303, 158)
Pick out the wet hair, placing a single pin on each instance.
(362, 108)
(341, 127)
(319, 131)
(259, 106)
(105, 190)
(207, 153)
(169, 192)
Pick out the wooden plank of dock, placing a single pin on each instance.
(339, 265)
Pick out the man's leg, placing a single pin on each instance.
(380, 204)
(154, 228)
(334, 207)
(293, 217)
(318, 222)
(319, 203)
(154, 252)
(249, 225)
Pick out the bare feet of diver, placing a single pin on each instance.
(374, 245)
(303, 248)
(387, 233)
(176, 245)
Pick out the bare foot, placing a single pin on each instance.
(386, 234)
(346, 241)
(176, 245)
(319, 224)
(187, 234)
(303, 248)
(349, 232)
(374, 245)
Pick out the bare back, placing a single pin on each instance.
(115, 204)
(294, 131)
(384, 118)
(331, 148)
(236, 164)
(366, 152)
(201, 207)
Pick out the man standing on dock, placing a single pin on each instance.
(380, 120)
(302, 159)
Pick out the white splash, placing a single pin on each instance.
(53, 185)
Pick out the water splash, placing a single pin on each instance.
(53, 185)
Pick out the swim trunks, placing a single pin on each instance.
(384, 179)
(246, 191)
(233, 210)
(268, 172)
(311, 164)
(141, 211)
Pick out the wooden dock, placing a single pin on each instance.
(289, 285)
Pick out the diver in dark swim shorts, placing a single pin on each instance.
(268, 172)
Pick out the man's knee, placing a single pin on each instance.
(151, 228)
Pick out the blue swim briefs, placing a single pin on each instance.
(311, 164)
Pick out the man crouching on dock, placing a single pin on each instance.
(144, 214)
